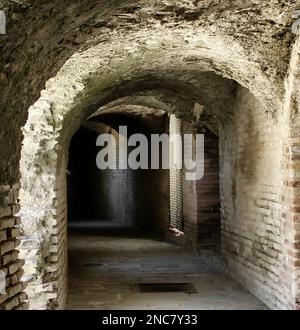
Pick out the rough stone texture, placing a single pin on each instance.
(100, 51)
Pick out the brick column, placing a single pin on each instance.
(176, 198)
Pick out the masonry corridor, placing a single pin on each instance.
(220, 77)
(106, 265)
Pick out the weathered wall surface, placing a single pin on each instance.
(253, 233)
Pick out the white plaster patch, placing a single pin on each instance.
(2, 282)
(2, 22)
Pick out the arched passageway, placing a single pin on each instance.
(134, 240)
(124, 197)
(245, 167)
(184, 60)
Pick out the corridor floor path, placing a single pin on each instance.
(103, 271)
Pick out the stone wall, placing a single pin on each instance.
(10, 264)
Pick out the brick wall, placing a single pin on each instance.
(260, 192)
(253, 234)
(56, 275)
(291, 186)
(294, 209)
(291, 215)
(200, 200)
(10, 264)
(208, 196)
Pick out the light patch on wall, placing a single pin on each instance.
(296, 24)
(198, 110)
(2, 282)
(2, 22)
